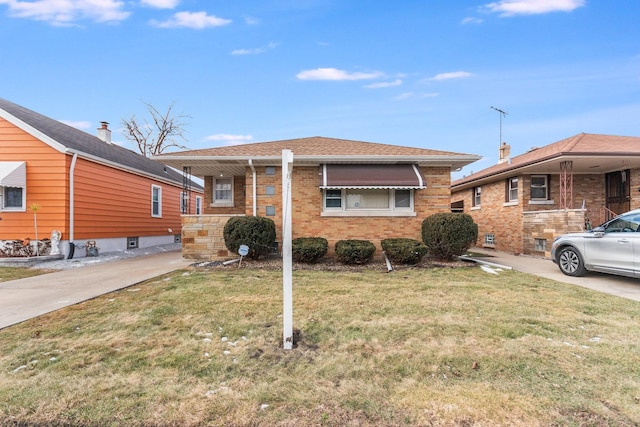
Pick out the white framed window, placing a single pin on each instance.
(539, 187)
(368, 201)
(223, 192)
(13, 198)
(198, 205)
(477, 196)
(156, 201)
(512, 190)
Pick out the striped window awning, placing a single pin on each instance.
(13, 174)
(400, 176)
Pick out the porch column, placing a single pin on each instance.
(566, 184)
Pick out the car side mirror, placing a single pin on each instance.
(598, 231)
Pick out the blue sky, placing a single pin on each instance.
(421, 73)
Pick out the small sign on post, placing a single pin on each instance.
(243, 251)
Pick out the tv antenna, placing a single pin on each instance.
(502, 114)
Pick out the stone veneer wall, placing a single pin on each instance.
(202, 237)
(547, 225)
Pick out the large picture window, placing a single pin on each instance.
(368, 200)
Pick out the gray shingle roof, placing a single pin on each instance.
(82, 142)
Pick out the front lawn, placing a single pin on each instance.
(433, 347)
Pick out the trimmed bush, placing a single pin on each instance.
(354, 251)
(404, 251)
(448, 235)
(309, 249)
(259, 233)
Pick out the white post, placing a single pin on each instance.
(287, 264)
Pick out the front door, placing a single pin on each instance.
(618, 191)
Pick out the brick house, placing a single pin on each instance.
(522, 203)
(87, 187)
(340, 189)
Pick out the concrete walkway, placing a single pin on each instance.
(30, 297)
(615, 285)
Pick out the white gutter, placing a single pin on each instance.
(253, 171)
(71, 197)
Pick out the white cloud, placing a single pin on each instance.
(414, 95)
(67, 12)
(228, 139)
(335, 75)
(452, 75)
(195, 20)
(532, 7)
(380, 85)
(471, 20)
(255, 51)
(251, 21)
(160, 4)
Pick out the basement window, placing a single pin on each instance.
(540, 245)
(489, 240)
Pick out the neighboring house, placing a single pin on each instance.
(86, 187)
(523, 203)
(340, 189)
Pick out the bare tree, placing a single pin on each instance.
(158, 136)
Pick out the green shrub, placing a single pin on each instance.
(309, 249)
(354, 251)
(448, 235)
(258, 233)
(404, 251)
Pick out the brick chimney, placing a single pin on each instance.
(104, 133)
(505, 153)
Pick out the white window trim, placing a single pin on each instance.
(22, 208)
(153, 188)
(510, 189)
(476, 193)
(198, 205)
(225, 203)
(344, 212)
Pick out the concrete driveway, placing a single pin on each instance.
(615, 285)
(30, 297)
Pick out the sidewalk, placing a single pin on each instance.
(624, 287)
(24, 299)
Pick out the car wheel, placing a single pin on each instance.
(570, 262)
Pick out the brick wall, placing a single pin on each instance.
(515, 225)
(547, 225)
(306, 207)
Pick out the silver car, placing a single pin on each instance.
(613, 247)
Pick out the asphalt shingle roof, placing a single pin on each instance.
(582, 144)
(314, 146)
(91, 145)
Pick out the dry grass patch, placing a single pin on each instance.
(433, 347)
(13, 273)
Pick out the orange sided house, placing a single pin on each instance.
(82, 191)
(523, 203)
(340, 189)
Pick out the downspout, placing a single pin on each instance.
(254, 188)
(72, 169)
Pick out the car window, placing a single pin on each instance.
(626, 224)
